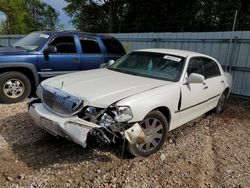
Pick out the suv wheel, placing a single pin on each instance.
(14, 87)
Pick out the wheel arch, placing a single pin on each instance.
(227, 92)
(27, 69)
(165, 111)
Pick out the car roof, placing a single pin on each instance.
(182, 53)
(75, 32)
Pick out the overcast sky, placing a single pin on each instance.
(58, 5)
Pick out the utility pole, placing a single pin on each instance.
(231, 40)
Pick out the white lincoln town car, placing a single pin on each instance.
(139, 98)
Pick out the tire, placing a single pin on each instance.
(221, 104)
(154, 122)
(14, 87)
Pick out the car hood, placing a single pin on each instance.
(102, 87)
(12, 51)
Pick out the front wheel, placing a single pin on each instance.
(155, 127)
(14, 87)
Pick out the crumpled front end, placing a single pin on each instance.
(72, 128)
(68, 116)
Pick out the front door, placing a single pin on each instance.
(65, 60)
(193, 96)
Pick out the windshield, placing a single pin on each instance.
(152, 65)
(31, 41)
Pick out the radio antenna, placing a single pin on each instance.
(62, 84)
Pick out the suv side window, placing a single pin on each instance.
(90, 46)
(113, 46)
(211, 68)
(64, 44)
(195, 66)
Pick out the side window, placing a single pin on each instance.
(195, 66)
(113, 46)
(90, 46)
(211, 68)
(64, 44)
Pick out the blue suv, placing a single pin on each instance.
(41, 55)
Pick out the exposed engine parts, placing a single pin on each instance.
(110, 129)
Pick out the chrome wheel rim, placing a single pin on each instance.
(153, 130)
(221, 103)
(13, 88)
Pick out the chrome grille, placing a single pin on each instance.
(60, 101)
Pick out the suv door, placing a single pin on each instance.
(92, 55)
(214, 81)
(193, 96)
(65, 60)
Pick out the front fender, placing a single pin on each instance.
(19, 65)
(143, 103)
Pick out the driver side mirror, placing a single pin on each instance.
(50, 49)
(195, 78)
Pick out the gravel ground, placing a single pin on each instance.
(211, 151)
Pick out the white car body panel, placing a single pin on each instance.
(103, 87)
(165, 96)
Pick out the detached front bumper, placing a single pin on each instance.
(72, 128)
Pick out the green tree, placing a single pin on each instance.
(44, 17)
(96, 15)
(158, 15)
(26, 16)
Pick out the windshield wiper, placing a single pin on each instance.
(124, 71)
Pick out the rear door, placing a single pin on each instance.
(214, 81)
(92, 55)
(65, 60)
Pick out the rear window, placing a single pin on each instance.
(113, 46)
(90, 46)
(211, 68)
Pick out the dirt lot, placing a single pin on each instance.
(212, 151)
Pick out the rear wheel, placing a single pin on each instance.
(221, 104)
(155, 128)
(14, 87)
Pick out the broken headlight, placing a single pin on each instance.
(90, 110)
(123, 114)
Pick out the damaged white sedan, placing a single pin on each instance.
(141, 97)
